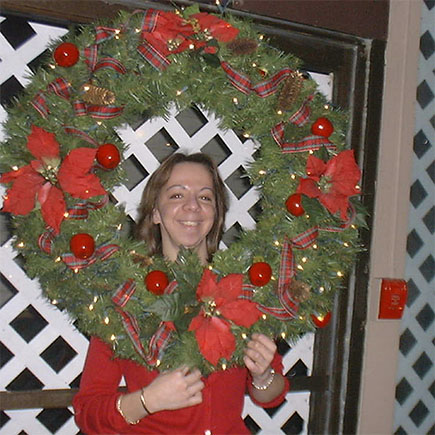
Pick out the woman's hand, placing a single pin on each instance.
(176, 389)
(259, 354)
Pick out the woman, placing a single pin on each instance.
(183, 204)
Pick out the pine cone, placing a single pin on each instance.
(243, 46)
(290, 91)
(299, 290)
(97, 95)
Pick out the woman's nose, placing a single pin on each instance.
(192, 203)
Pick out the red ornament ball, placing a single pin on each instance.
(260, 273)
(322, 127)
(66, 54)
(82, 245)
(294, 204)
(321, 320)
(156, 282)
(108, 156)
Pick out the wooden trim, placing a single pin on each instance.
(45, 399)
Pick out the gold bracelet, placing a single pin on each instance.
(267, 384)
(144, 405)
(118, 407)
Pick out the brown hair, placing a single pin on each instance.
(149, 232)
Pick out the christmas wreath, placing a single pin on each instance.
(62, 157)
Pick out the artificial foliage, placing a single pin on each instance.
(62, 157)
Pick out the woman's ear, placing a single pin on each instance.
(156, 217)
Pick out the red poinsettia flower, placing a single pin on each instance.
(221, 305)
(44, 181)
(332, 182)
(219, 29)
(171, 34)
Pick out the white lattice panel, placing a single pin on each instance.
(20, 298)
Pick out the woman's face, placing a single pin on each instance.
(186, 209)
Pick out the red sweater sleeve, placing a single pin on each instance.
(278, 367)
(95, 403)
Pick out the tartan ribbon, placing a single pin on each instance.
(60, 87)
(124, 292)
(94, 65)
(79, 133)
(45, 240)
(95, 111)
(103, 33)
(103, 252)
(159, 339)
(153, 56)
(262, 89)
(79, 210)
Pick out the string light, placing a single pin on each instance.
(279, 112)
(304, 259)
(57, 259)
(254, 65)
(346, 244)
(261, 37)
(95, 299)
(246, 135)
(224, 366)
(178, 93)
(300, 267)
(315, 246)
(235, 100)
(191, 46)
(158, 362)
(21, 245)
(283, 334)
(293, 176)
(15, 168)
(264, 317)
(119, 227)
(76, 270)
(321, 289)
(54, 302)
(262, 172)
(276, 242)
(52, 66)
(113, 337)
(244, 336)
(339, 273)
(91, 307)
(137, 30)
(65, 215)
(106, 320)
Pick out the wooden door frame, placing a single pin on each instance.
(357, 66)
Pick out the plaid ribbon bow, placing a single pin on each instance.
(153, 56)
(160, 338)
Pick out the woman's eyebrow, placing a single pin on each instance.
(184, 187)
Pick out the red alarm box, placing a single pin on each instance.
(393, 298)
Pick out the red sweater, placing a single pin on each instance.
(219, 413)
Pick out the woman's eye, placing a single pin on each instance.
(206, 198)
(175, 196)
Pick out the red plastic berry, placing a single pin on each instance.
(322, 127)
(294, 204)
(321, 320)
(108, 156)
(156, 282)
(260, 273)
(66, 54)
(82, 245)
